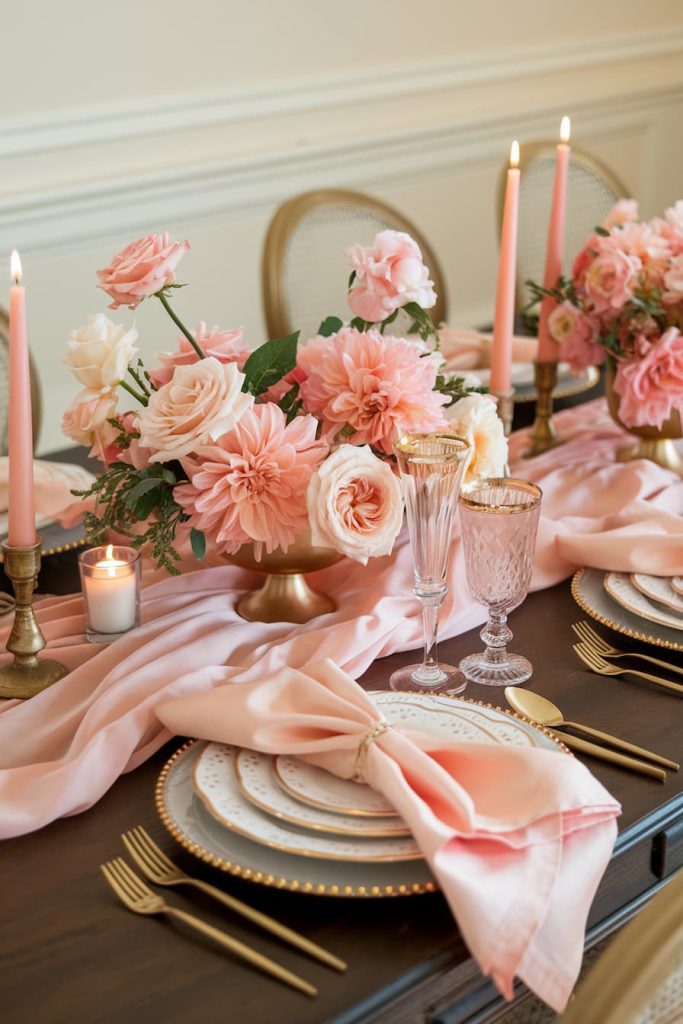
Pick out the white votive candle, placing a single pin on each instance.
(110, 580)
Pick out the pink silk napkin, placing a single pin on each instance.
(471, 350)
(518, 838)
(53, 483)
(62, 750)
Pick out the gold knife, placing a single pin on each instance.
(604, 754)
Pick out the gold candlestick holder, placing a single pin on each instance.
(27, 674)
(543, 434)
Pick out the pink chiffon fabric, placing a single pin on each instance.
(518, 838)
(62, 750)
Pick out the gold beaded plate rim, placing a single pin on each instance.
(298, 885)
(576, 387)
(604, 620)
(58, 549)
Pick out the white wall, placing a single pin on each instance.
(200, 118)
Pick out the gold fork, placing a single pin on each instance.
(161, 870)
(588, 635)
(136, 896)
(597, 664)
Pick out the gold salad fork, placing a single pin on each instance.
(598, 664)
(140, 899)
(588, 635)
(161, 870)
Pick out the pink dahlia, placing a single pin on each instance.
(376, 387)
(652, 387)
(250, 484)
(225, 346)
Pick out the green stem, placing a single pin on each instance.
(142, 399)
(139, 381)
(167, 306)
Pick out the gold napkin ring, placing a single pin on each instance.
(364, 745)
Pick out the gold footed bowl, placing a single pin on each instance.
(285, 595)
(654, 443)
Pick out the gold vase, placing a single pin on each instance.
(654, 443)
(285, 595)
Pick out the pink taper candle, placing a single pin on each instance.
(547, 348)
(22, 526)
(503, 328)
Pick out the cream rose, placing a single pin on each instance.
(199, 403)
(85, 421)
(355, 504)
(474, 417)
(99, 353)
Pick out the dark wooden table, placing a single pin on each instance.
(70, 953)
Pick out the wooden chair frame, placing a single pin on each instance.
(286, 219)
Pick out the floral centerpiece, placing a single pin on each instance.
(623, 304)
(230, 447)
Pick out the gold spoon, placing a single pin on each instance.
(540, 709)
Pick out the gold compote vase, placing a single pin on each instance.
(654, 443)
(285, 595)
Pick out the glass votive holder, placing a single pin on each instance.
(110, 580)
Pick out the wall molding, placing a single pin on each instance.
(120, 123)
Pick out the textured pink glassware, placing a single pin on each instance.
(499, 520)
(432, 467)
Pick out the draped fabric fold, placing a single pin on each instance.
(518, 838)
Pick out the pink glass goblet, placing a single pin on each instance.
(499, 521)
(431, 468)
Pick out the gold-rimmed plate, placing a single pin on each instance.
(659, 589)
(619, 587)
(215, 782)
(589, 593)
(433, 714)
(568, 382)
(258, 784)
(677, 584)
(56, 539)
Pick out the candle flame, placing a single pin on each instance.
(514, 154)
(109, 553)
(565, 129)
(15, 266)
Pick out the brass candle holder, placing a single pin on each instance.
(27, 675)
(543, 434)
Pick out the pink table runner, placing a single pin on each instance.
(60, 751)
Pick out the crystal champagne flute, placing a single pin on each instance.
(431, 467)
(499, 521)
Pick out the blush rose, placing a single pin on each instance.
(142, 269)
(389, 273)
(651, 387)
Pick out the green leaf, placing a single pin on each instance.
(603, 232)
(360, 324)
(352, 278)
(330, 325)
(198, 542)
(269, 364)
(142, 487)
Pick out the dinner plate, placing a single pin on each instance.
(258, 783)
(589, 593)
(433, 714)
(677, 584)
(658, 588)
(56, 538)
(618, 585)
(522, 376)
(215, 781)
(187, 820)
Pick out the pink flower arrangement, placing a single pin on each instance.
(229, 446)
(624, 301)
(251, 484)
(371, 387)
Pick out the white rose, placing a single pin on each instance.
(99, 353)
(474, 417)
(355, 504)
(201, 402)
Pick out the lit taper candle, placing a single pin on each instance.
(503, 328)
(22, 525)
(547, 348)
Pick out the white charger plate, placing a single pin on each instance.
(589, 593)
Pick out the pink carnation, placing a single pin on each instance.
(251, 484)
(376, 386)
(225, 346)
(673, 281)
(652, 387)
(611, 278)
(389, 273)
(577, 334)
(141, 269)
